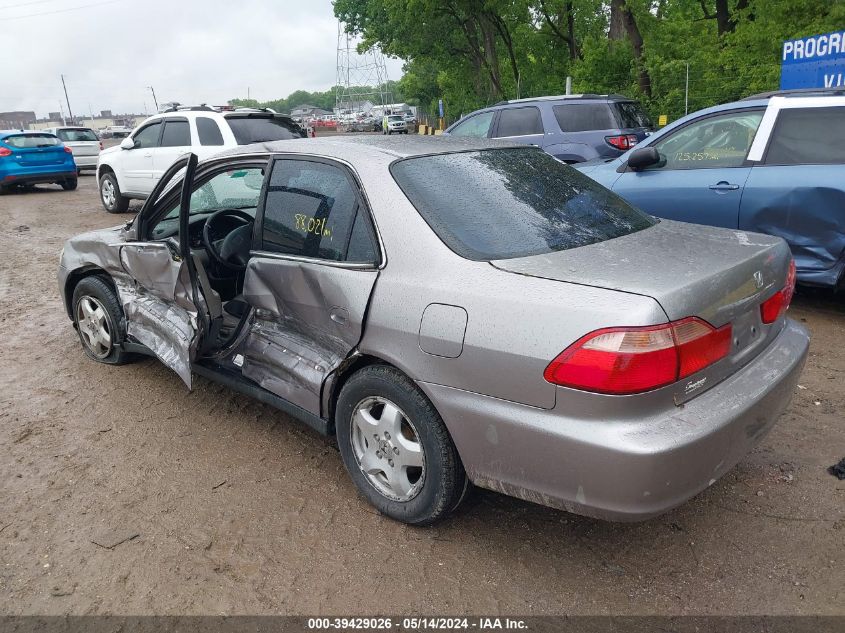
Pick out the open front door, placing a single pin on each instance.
(163, 305)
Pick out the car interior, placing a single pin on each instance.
(222, 216)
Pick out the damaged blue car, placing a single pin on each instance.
(772, 163)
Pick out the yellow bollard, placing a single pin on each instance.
(423, 129)
(438, 132)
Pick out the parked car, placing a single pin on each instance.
(84, 144)
(116, 131)
(132, 169)
(395, 124)
(454, 311)
(34, 157)
(572, 128)
(771, 164)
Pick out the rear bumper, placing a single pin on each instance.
(31, 177)
(86, 162)
(630, 468)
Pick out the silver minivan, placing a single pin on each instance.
(83, 142)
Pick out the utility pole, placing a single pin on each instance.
(155, 101)
(686, 93)
(568, 85)
(70, 112)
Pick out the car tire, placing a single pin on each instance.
(69, 184)
(113, 201)
(78, 173)
(413, 475)
(96, 309)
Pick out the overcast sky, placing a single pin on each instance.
(191, 51)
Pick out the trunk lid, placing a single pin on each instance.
(84, 148)
(719, 275)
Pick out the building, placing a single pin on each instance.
(306, 111)
(18, 120)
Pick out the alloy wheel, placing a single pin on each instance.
(107, 191)
(94, 326)
(388, 449)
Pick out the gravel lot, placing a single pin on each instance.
(123, 493)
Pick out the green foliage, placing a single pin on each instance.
(324, 100)
(473, 53)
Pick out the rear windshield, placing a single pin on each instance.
(252, 129)
(77, 135)
(630, 114)
(505, 203)
(31, 140)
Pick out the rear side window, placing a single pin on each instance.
(310, 211)
(475, 126)
(808, 136)
(584, 117)
(176, 134)
(519, 122)
(24, 141)
(505, 203)
(253, 129)
(208, 131)
(75, 136)
(630, 114)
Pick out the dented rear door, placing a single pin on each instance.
(310, 277)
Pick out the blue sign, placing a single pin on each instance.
(440, 107)
(817, 61)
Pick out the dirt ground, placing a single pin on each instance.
(123, 493)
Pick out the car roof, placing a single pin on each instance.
(4, 133)
(373, 147)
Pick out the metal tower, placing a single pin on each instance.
(361, 77)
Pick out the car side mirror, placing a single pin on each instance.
(127, 143)
(643, 157)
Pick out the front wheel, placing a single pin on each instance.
(99, 321)
(113, 201)
(396, 447)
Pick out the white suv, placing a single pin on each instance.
(132, 169)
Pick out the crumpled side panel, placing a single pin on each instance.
(308, 317)
(286, 362)
(168, 330)
(803, 204)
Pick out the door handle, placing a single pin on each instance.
(724, 186)
(148, 155)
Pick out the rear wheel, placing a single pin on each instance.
(69, 184)
(396, 447)
(113, 201)
(99, 321)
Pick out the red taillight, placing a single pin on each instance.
(68, 150)
(635, 359)
(5, 151)
(773, 308)
(623, 141)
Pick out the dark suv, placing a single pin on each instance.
(573, 128)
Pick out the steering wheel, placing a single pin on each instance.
(231, 251)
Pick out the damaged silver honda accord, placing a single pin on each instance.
(456, 311)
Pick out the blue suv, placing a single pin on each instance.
(772, 163)
(572, 128)
(28, 158)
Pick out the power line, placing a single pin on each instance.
(35, 15)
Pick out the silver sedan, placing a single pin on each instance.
(454, 311)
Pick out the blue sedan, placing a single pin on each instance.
(773, 164)
(30, 157)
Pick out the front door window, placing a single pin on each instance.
(716, 141)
